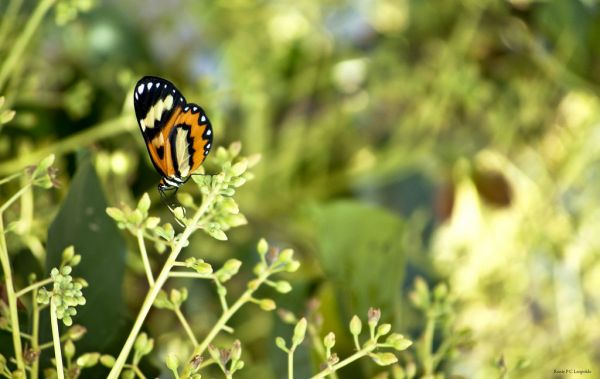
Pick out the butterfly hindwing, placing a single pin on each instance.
(190, 140)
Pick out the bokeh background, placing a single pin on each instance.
(453, 141)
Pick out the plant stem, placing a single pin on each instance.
(222, 298)
(14, 54)
(12, 299)
(106, 129)
(35, 332)
(160, 281)
(137, 371)
(359, 354)
(226, 315)
(195, 275)
(33, 287)
(426, 352)
(318, 345)
(13, 198)
(11, 177)
(56, 339)
(186, 326)
(147, 267)
(291, 363)
(11, 13)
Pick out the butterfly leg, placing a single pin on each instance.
(171, 203)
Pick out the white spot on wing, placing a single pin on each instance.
(203, 118)
(140, 89)
(195, 109)
(165, 86)
(208, 132)
(136, 96)
(149, 85)
(208, 146)
(156, 111)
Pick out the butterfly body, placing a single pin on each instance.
(178, 134)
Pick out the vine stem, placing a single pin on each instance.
(12, 300)
(160, 281)
(359, 354)
(18, 48)
(56, 339)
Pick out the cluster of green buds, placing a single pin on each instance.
(67, 10)
(173, 300)
(66, 293)
(220, 212)
(395, 341)
(369, 348)
(272, 261)
(228, 359)
(44, 174)
(138, 220)
(436, 303)
(223, 212)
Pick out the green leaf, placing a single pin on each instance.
(361, 250)
(82, 221)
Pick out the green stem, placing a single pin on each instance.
(222, 321)
(16, 51)
(318, 345)
(11, 14)
(359, 354)
(291, 363)
(160, 281)
(56, 340)
(186, 326)
(13, 198)
(426, 352)
(89, 135)
(33, 287)
(220, 292)
(195, 275)
(11, 177)
(35, 332)
(147, 267)
(137, 371)
(12, 300)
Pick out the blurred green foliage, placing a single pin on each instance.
(463, 137)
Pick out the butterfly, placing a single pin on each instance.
(178, 134)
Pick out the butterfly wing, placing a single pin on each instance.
(158, 104)
(190, 140)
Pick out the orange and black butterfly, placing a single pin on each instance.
(178, 134)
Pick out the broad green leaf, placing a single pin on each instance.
(360, 248)
(82, 222)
